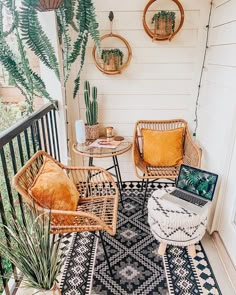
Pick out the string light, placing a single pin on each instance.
(201, 74)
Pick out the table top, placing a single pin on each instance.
(88, 151)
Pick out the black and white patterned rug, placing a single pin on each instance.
(133, 257)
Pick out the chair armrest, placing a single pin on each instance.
(192, 153)
(138, 160)
(77, 221)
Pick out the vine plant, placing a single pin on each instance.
(168, 17)
(116, 54)
(78, 15)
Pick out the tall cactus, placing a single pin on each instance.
(91, 104)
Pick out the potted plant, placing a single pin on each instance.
(33, 251)
(91, 126)
(164, 22)
(112, 58)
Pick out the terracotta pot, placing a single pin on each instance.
(55, 290)
(113, 64)
(92, 131)
(46, 5)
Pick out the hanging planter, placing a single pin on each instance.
(164, 23)
(112, 61)
(112, 58)
(47, 5)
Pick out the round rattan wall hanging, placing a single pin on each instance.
(162, 20)
(115, 55)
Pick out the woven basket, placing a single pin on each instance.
(47, 5)
(92, 132)
(111, 64)
(164, 27)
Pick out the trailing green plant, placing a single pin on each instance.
(76, 15)
(32, 250)
(116, 53)
(34, 36)
(18, 66)
(91, 104)
(167, 17)
(81, 17)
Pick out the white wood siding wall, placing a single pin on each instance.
(217, 108)
(161, 81)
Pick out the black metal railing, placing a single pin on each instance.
(17, 144)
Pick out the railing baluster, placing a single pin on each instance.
(44, 135)
(38, 135)
(56, 132)
(48, 135)
(13, 158)
(27, 143)
(32, 131)
(20, 150)
(53, 135)
(7, 181)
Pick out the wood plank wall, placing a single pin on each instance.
(161, 81)
(217, 112)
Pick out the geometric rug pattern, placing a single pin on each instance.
(137, 269)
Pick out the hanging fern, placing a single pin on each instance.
(77, 15)
(86, 22)
(18, 67)
(34, 36)
(65, 40)
(69, 10)
(83, 52)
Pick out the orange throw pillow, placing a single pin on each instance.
(163, 148)
(53, 189)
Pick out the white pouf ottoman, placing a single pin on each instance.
(174, 225)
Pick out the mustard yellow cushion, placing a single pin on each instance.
(163, 148)
(53, 189)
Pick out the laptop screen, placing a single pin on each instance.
(199, 182)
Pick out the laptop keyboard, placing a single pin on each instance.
(188, 198)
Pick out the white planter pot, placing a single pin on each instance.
(54, 291)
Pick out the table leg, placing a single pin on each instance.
(89, 175)
(162, 248)
(118, 177)
(192, 250)
(90, 161)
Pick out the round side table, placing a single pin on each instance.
(86, 150)
(174, 225)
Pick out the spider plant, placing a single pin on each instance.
(32, 250)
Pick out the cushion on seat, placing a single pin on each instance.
(163, 148)
(53, 189)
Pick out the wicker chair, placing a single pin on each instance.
(98, 201)
(191, 155)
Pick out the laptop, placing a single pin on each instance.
(194, 189)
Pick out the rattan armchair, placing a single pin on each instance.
(98, 201)
(191, 152)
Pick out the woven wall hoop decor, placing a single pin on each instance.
(106, 68)
(151, 31)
